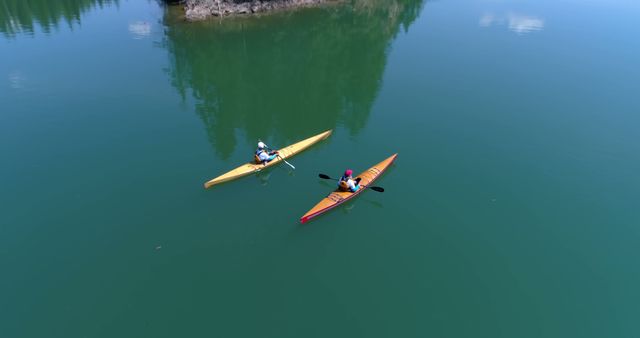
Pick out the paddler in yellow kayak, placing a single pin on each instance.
(263, 155)
(347, 183)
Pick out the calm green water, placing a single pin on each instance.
(512, 211)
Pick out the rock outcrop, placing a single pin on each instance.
(200, 9)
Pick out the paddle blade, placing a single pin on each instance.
(323, 176)
(287, 163)
(378, 189)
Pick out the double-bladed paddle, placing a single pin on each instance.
(327, 177)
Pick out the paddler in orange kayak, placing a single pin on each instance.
(347, 183)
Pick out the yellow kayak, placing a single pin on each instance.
(252, 167)
(338, 196)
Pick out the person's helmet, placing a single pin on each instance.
(348, 172)
(261, 145)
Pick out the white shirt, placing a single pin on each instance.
(351, 183)
(263, 156)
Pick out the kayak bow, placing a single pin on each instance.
(253, 167)
(338, 196)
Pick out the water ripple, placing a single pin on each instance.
(517, 23)
(140, 29)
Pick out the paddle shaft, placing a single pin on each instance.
(285, 161)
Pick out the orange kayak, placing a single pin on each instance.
(338, 196)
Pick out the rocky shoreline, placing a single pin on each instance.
(201, 9)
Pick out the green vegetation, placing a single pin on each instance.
(22, 16)
(335, 59)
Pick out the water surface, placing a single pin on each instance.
(512, 210)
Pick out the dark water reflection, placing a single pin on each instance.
(288, 74)
(25, 16)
